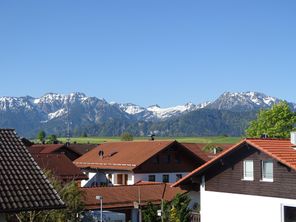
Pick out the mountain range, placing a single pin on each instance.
(77, 114)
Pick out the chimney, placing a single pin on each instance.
(293, 138)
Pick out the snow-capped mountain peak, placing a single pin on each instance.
(243, 101)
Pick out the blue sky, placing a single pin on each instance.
(164, 52)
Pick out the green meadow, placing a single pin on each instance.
(98, 140)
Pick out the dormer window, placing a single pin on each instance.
(248, 170)
(267, 170)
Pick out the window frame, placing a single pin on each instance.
(168, 176)
(251, 178)
(151, 175)
(283, 205)
(263, 179)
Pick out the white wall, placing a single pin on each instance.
(99, 177)
(218, 206)
(158, 176)
(96, 177)
(132, 178)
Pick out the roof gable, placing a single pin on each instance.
(121, 155)
(23, 185)
(279, 149)
(60, 165)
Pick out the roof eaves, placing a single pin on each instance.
(271, 154)
(209, 163)
(148, 158)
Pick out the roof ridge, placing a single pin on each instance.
(134, 185)
(264, 139)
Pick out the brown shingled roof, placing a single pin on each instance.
(60, 165)
(125, 196)
(280, 149)
(81, 148)
(121, 155)
(23, 185)
(196, 148)
(129, 155)
(44, 148)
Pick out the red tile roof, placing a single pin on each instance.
(81, 148)
(60, 165)
(125, 196)
(129, 155)
(44, 148)
(121, 155)
(280, 149)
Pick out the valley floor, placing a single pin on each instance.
(214, 139)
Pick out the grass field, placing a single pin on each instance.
(214, 139)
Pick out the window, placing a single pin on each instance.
(248, 170)
(165, 178)
(267, 170)
(151, 178)
(178, 177)
(288, 213)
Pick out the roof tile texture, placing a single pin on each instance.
(23, 186)
(60, 165)
(121, 155)
(125, 196)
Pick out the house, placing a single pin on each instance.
(126, 163)
(60, 166)
(72, 151)
(23, 186)
(124, 198)
(251, 181)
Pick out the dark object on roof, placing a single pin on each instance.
(23, 186)
(122, 197)
(61, 166)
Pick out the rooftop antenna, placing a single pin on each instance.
(68, 125)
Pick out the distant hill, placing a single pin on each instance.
(229, 114)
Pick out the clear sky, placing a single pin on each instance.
(164, 52)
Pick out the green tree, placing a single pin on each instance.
(51, 139)
(84, 134)
(278, 121)
(126, 137)
(70, 194)
(150, 213)
(179, 208)
(41, 135)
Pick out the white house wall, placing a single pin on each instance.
(158, 176)
(98, 177)
(228, 207)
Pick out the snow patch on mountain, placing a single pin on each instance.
(57, 114)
